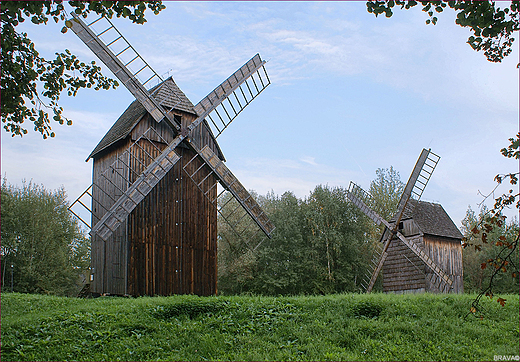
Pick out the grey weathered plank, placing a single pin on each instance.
(214, 98)
(137, 191)
(231, 183)
(364, 208)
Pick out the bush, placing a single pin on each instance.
(42, 241)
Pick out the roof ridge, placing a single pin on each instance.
(135, 111)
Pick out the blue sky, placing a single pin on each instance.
(350, 93)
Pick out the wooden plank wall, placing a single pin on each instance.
(447, 254)
(173, 238)
(410, 228)
(173, 232)
(169, 243)
(402, 270)
(108, 259)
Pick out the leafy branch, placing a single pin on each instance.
(492, 26)
(24, 70)
(503, 262)
(500, 264)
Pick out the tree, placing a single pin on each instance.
(283, 263)
(24, 71)
(42, 241)
(336, 230)
(492, 26)
(316, 248)
(484, 233)
(277, 265)
(477, 272)
(238, 236)
(386, 190)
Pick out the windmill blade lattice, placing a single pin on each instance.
(247, 207)
(228, 90)
(416, 183)
(122, 186)
(126, 64)
(362, 199)
(440, 278)
(237, 229)
(233, 185)
(233, 95)
(165, 161)
(107, 185)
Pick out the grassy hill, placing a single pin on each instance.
(336, 327)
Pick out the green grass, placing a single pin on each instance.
(336, 327)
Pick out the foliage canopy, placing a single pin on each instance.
(319, 247)
(45, 246)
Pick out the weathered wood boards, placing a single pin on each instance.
(160, 166)
(168, 243)
(172, 237)
(432, 232)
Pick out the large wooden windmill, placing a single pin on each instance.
(155, 174)
(421, 248)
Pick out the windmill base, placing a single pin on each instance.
(407, 291)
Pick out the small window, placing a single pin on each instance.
(401, 225)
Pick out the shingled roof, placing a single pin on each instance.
(432, 219)
(135, 111)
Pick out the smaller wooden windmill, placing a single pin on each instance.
(421, 249)
(155, 175)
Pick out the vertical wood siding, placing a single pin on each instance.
(169, 243)
(403, 271)
(108, 259)
(447, 254)
(172, 236)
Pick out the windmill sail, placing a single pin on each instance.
(231, 183)
(417, 182)
(123, 180)
(227, 100)
(444, 282)
(120, 66)
(137, 191)
(356, 195)
(165, 161)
